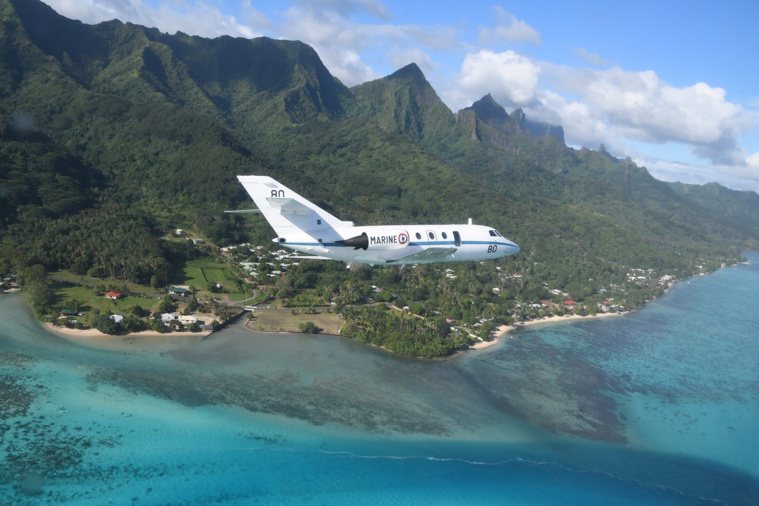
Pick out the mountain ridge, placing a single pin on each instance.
(167, 121)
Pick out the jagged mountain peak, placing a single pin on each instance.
(491, 112)
(409, 72)
(487, 101)
(408, 79)
(404, 102)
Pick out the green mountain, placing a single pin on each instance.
(737, 209)
(404, 102)
(529, 164)
(115, 133)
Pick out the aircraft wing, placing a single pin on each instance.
(421, 255)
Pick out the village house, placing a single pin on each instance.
(179, 291)
(114, 295)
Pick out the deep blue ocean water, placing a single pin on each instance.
(657, 407)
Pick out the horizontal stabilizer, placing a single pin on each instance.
(244, 211)
(423, 255)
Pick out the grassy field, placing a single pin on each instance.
(66, 292)
(202, 272)
(217, 273)
(78, 278)
(198, 273)
(283, 321)
(191, 273)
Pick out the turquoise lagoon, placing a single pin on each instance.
(657, 407)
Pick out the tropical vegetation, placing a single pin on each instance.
(115, 135)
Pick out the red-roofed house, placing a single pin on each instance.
(570, 302)
(114, 295)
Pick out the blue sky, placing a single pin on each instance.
(673, 84)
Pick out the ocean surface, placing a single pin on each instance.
(657, 407)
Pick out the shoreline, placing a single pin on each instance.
(545, 321)
(145, 340)
(150, 339)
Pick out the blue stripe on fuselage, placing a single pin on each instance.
(426, 243)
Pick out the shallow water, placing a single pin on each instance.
(658, 407)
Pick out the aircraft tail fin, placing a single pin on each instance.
(288, 212)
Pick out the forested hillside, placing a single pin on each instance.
(114, 134)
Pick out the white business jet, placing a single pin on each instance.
(303, 226)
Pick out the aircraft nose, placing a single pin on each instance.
(512, 249)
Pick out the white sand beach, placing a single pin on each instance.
(148, 339)
(551, 320)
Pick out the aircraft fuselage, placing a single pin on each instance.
(385, 244)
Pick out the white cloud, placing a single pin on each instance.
(351, 49)
(590, 58)
(512, 79)
(640, 106)
(733, 176)
(625, 110)
(337, 40)
(581, 126)
(195, 17)
(95, 11)
(508, 30)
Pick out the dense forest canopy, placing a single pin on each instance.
(114, 134)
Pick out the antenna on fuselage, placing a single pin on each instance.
(470, 221)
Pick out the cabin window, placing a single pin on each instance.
(445, 236)
(431, 235)
(418, 235)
